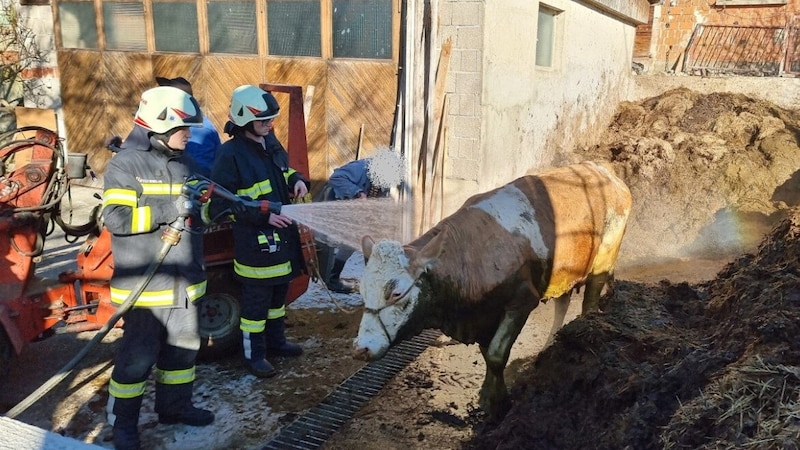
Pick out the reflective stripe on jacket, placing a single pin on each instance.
(141, 188)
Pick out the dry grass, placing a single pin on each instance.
(755, 405)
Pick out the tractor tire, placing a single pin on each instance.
(218, 321)
(6, 353)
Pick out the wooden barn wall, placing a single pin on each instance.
(369, 106)
(100, 92)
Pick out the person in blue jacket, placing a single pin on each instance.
(354, 180)
(203, 144)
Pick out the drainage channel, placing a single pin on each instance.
(312, 429)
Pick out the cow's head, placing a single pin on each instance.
(389, 286)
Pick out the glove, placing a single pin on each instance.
(249, 210)
(114, 144)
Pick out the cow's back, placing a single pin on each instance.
(590, 207)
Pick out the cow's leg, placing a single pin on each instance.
(591, 294)
(561, 307)
(494, 394)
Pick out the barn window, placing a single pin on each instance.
(293, 27)
(175, 27)
(232, 27)
(362, 29)
(327, 29)
(124, 26)
(77, 21)
(545, 35)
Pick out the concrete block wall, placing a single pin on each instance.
(675, 20)
(462, 22)
(508, 116)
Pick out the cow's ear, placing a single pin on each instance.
(427, 257)
(366, 246)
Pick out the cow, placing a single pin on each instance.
(478, 273)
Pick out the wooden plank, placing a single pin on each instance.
(441, 76)
(45, 118)
(26, 117)
(436, 192)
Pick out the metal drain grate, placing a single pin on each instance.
(312, 429)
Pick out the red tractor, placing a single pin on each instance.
(33, 308)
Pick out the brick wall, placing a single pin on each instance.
(674, 21)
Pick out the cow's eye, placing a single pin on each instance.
(389, 289)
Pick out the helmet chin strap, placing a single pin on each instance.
(159, 142)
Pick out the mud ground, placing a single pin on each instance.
(696, 346)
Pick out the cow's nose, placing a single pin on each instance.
(361, 354)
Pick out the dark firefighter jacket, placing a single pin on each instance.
(141, 188)
(261, 252)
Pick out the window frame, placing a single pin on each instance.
(326, 31)
(555, 36)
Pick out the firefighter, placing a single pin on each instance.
(142, 195)
(267, 253)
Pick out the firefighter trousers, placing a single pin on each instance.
(167, 338)
(260, 304)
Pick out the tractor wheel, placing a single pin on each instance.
(6, 353)
(218, 316)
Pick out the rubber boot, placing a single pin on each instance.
(277, 345)
(174, 405)
(325, 259)
(123, 415)
(336, 284)
(255, 355)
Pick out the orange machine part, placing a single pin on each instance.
(23, 187)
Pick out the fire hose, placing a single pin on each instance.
(194, 188)
(171, 237)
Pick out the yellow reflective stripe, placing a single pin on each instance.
(140, 219)
(146, 299)
(205, 212)
(256, 190)
(288, 174)
(196, 290)
(262, 238)
(277, 270)
(124, 197)
(252, 326)
(120, 390)
(161, 188)
(181, 376)
(276, 313)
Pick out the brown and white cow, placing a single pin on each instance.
(479, 273)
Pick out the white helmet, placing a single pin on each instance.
(249, 103)
(165, 107)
